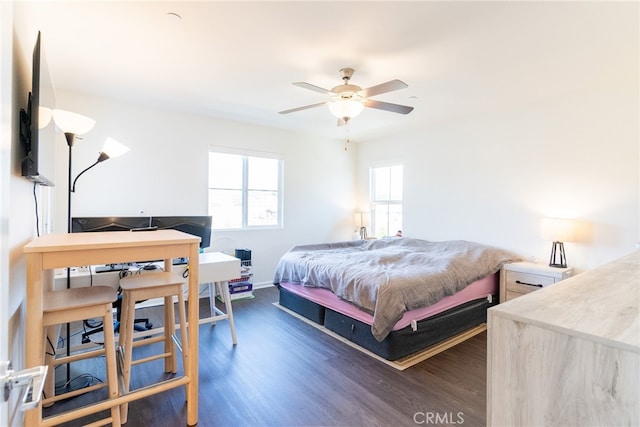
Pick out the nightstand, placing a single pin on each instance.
(520, 278)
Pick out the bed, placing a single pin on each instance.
(392, 296)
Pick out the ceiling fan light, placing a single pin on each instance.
(346, 108)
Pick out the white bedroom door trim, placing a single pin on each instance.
(6, 45)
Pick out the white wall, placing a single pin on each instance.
(568, 149)
(165, 173)
(17, 208)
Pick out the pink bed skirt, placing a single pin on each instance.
(479, 289)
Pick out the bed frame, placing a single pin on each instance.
(399, 343)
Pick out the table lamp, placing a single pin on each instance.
(558, 231)
(361, 220)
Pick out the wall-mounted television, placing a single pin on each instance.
(37, 130)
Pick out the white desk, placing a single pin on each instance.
(215, 269)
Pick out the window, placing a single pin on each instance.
(386, 200)
(244, 191)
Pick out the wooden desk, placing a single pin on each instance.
(52, 251)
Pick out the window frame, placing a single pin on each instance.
(245, 190)
(376, 204)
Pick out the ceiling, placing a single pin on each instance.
(237, 60)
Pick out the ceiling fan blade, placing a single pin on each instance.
(387, 106)
(306, 107)
(383, 88)
(309, 86)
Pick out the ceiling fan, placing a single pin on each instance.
(347, 101)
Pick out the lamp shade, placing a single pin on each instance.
(113, 148)
(44, 116)
(346, 107)
(558, 229)
(74, 123)
(362, 218)
(357, 218)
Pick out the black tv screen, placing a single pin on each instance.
(38, 133)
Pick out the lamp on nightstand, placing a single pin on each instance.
(361, 221)
(558, 231)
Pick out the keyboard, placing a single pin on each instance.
(111, 267)
(119, 267)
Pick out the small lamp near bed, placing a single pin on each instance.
(558, 231)
(361, 219)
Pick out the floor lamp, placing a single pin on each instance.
(73, 124)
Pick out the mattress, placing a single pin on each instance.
(418, 329)
(388, 277)
(483, 288)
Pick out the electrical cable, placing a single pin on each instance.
(89, 323)
(64, 386)
(53, 349)
(35, 198)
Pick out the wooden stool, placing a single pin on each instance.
(75, 304)
(147, 286)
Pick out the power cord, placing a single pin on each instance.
(66, 385)
(35, 199)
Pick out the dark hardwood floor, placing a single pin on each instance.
(284, 372)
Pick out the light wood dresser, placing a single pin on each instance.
(568, 354)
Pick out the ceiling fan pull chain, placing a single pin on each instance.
(346, 136)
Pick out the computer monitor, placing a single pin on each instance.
(196, 225)
(109, 223)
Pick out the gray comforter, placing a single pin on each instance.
(388, 277)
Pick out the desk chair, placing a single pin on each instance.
(71, 305)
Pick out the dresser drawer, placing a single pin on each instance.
(526, 282)
(511, 295)
(520, 278)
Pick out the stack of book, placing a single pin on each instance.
(241, 287)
